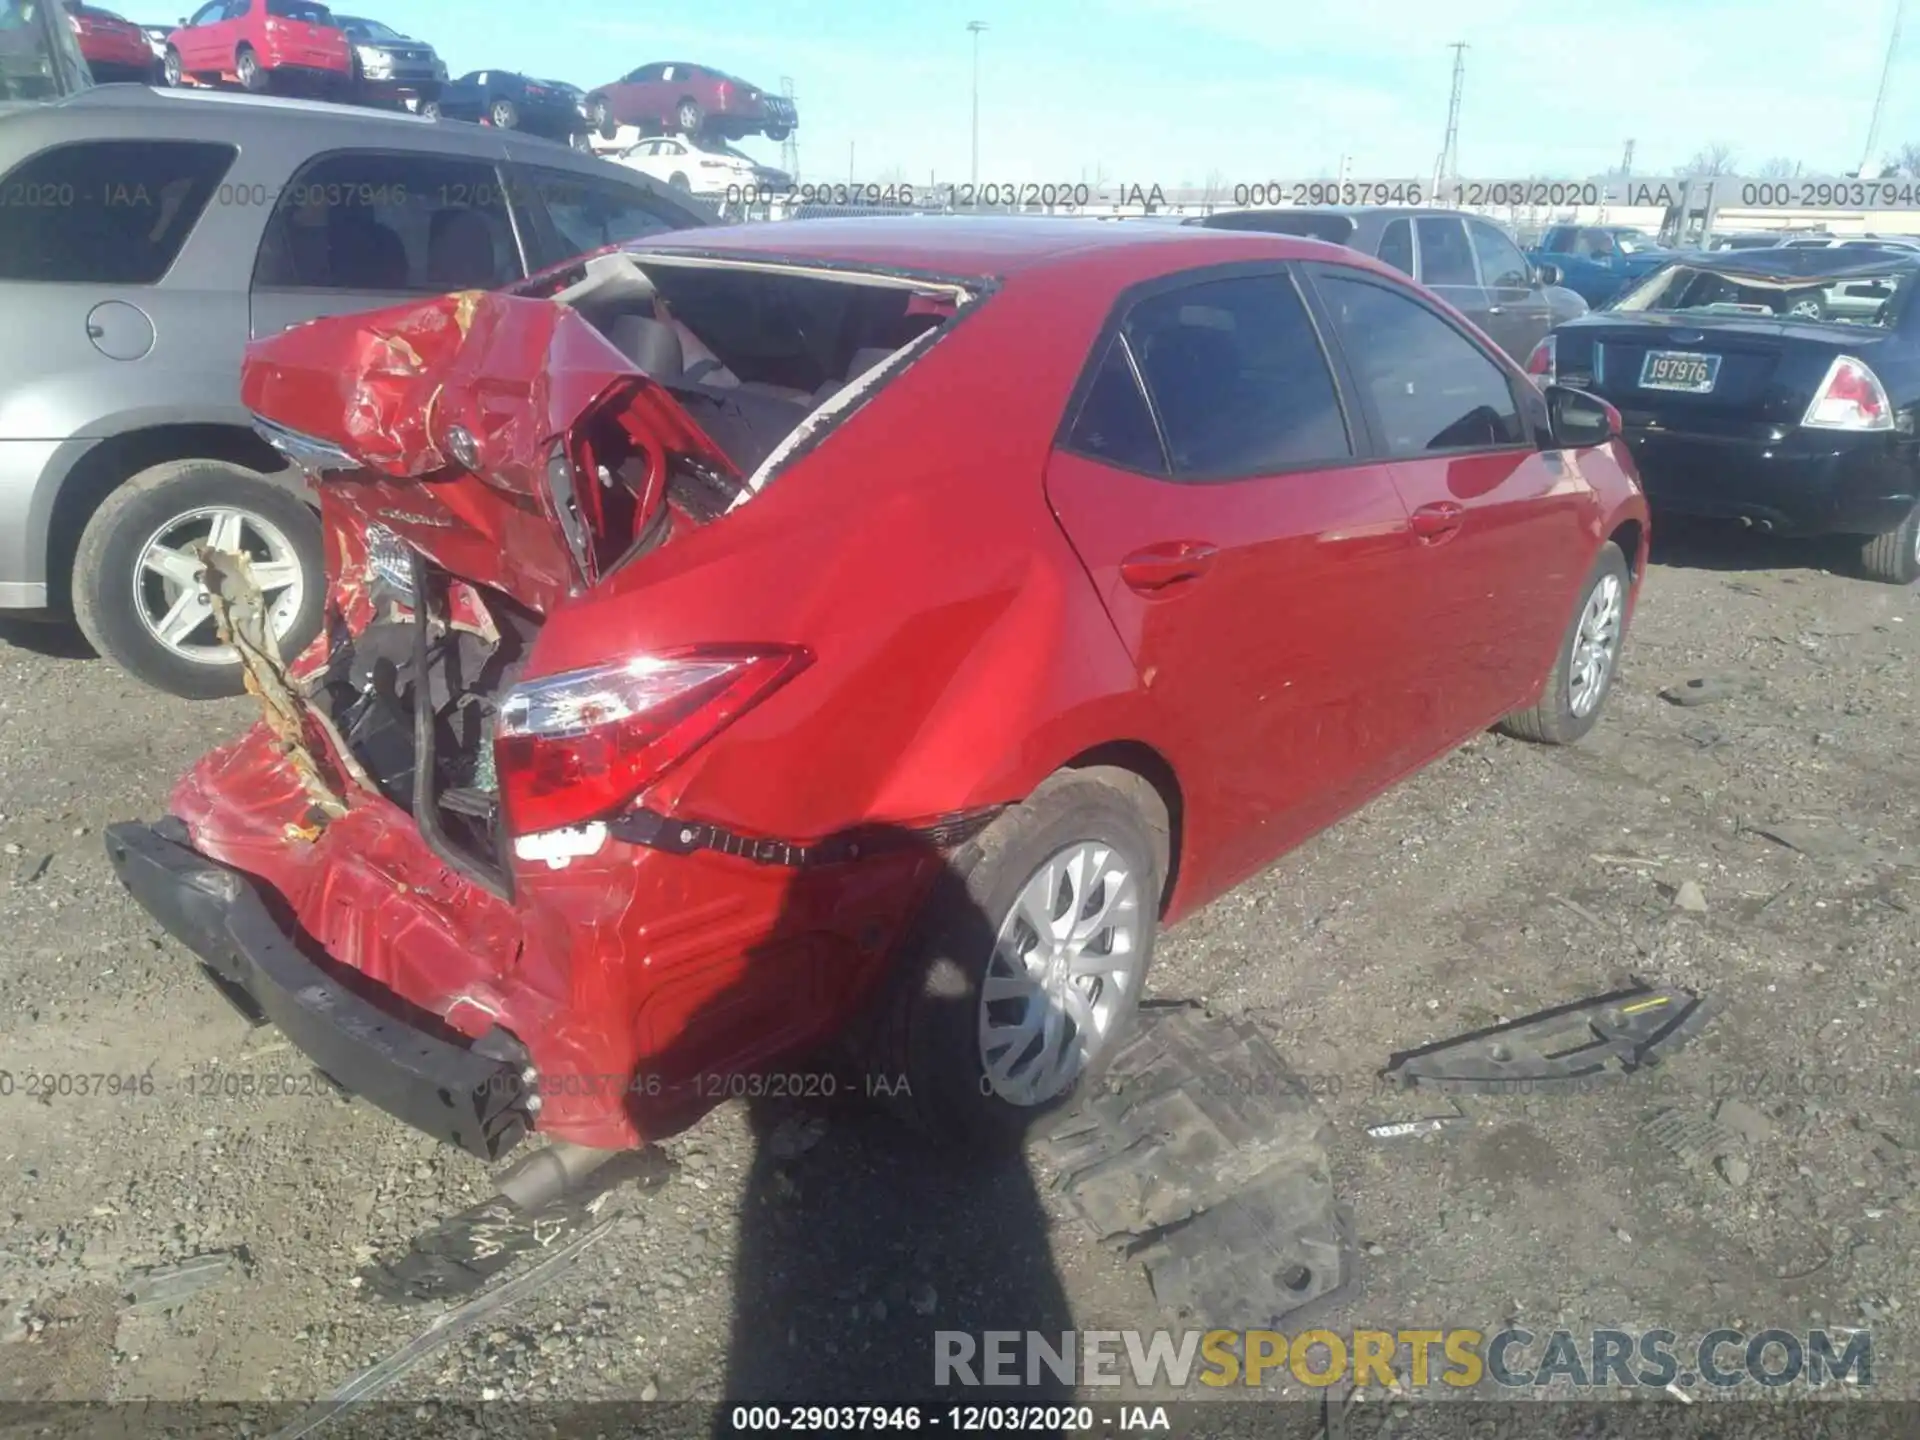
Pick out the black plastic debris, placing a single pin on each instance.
(1612, 1034)
(1205, 1158)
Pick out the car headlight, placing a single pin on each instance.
(375, 62)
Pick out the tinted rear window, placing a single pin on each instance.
(106, 212)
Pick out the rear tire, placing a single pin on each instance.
(172, 73)
(778, 132)
(505, 115)
(247, 70)
(603, 121)
(111, 589)
(689, 117)
(1894, 558)
(680, 182)
(932, 1027)
(1556, 718)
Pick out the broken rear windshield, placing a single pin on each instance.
(1863, 296)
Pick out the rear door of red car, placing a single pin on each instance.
(192, 39)
(1499, 525)
(1250, 556)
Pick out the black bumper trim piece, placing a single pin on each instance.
(684, 837)
(466, 1098)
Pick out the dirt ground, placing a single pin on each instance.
(785, 1259)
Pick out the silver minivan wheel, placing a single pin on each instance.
(174, 605)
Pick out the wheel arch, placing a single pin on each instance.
(106, 464)
(1135, 763)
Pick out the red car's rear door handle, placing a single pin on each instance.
(1437, 522)
(1159, 568)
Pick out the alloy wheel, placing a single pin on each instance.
(1065, 960)
(171, 599)
(1596, 645)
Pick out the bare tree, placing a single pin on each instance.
(1778, 168)
(1716, 159)
(1215, 189)
(1905, 161)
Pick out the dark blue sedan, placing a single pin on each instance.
(508, 100)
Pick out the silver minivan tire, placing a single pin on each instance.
(134, 591)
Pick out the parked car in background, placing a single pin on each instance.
(702, 165)
(390, 67)
(1468, 261)
(689, 100)
(508, 100)
(1775, 388)
(1597, 261)
(1745, 240)
(742, 751)
(1850, 242)
(115, 48)
(201, 219)
(261, 44)
(40, 56)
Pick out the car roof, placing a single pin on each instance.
(967, 246)
(305, 126)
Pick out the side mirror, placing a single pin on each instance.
(1546, 274)
(1577, 420)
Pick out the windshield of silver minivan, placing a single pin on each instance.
(1863, 297)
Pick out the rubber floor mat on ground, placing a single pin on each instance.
(1205, 1157)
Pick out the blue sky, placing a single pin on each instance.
(1160, 91)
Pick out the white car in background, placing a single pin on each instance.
(701, 166)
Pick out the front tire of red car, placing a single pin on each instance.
(1588, 660)
(248, 70)
(1025, 972)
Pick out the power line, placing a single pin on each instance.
(1868, 168)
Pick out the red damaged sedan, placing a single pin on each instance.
(859, 631)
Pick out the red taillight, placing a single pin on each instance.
(577, 747)
(1850, 398)
(723, 92)
(1540, 364)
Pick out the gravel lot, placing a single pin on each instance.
(767, 1269)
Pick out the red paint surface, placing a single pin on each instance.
(965, 648)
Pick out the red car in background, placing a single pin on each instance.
(867, 631)
(691, 100)
(116, 49)
(259, 43)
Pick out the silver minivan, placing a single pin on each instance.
(145, 236)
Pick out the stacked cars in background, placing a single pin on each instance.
(263, 45)
(115, 48)
(689, 99)
(702, 165)
(509, 100)
(391, 68)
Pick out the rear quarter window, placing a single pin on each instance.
(106, 212)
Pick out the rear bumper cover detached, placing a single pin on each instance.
(455, 1093)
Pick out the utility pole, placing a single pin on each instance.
(1626, 161)
(974, 27)
(850, 162)
(790, 147)
(1869, 167)
(1448, 168)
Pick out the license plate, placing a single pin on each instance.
(1679, 370)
